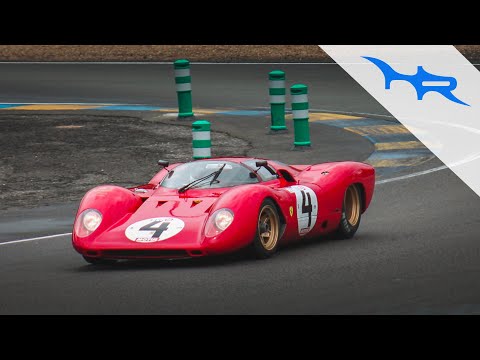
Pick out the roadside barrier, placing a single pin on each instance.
(201, 143)
(183, 82)
(277, 100)
(299, 94)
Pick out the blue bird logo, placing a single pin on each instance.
(422, 81)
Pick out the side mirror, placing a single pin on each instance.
(264, 164)
(163, 163)
(261, 163)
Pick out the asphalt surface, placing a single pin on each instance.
(236, 86)
(417, 250)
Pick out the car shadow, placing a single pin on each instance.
(145, 264)
(237, 258)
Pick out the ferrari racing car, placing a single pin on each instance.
(221, 205)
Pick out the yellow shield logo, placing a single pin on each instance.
(291, 210)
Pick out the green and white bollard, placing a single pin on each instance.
(277, 100)
(183, 82)
(202, 143)
(299, 94)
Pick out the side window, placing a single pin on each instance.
(264, 173)
(238, 175)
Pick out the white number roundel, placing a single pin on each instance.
(307, 207)
(154, 230)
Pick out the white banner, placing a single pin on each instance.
(431, 89)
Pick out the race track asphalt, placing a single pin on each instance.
(219, 85)
(417, 250)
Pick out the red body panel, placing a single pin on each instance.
(122, 208)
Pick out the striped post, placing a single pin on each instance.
(183, 82)
(277, 100)
(299, 94)
(201, 140)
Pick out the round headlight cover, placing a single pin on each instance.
(219, 221)
(223, 219)
(88, 221)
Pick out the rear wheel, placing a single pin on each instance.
(351, 213)
(268, 231)
(98, 261)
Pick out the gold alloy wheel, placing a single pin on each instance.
(268, 227)
(352, 205)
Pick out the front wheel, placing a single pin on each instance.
(98, 261)
(268, 231)
(351, 213)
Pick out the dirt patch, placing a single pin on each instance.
(215, 53)
(56, 158)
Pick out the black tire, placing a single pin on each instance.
(351, 213)
(268, 221)
(98, 261)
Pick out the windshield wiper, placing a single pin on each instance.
(215, 175)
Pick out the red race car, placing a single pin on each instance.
(220, 205)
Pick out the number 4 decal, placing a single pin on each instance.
(158, 230)
(307, 207)
(154, 230)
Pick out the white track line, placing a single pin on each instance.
(429, 171)
(34, 239)
(404, 177)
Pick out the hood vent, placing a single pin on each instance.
(209, 208)
(160, 203)
(195, 203)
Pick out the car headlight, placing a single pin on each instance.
(88, 221)
(219, 221)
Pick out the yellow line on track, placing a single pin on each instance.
(313, 117)
(330, 117)
(399, 145)
(378, 130)
(195, 111)
(40, 107)
(398, 162)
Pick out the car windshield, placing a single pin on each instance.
(232, 174)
